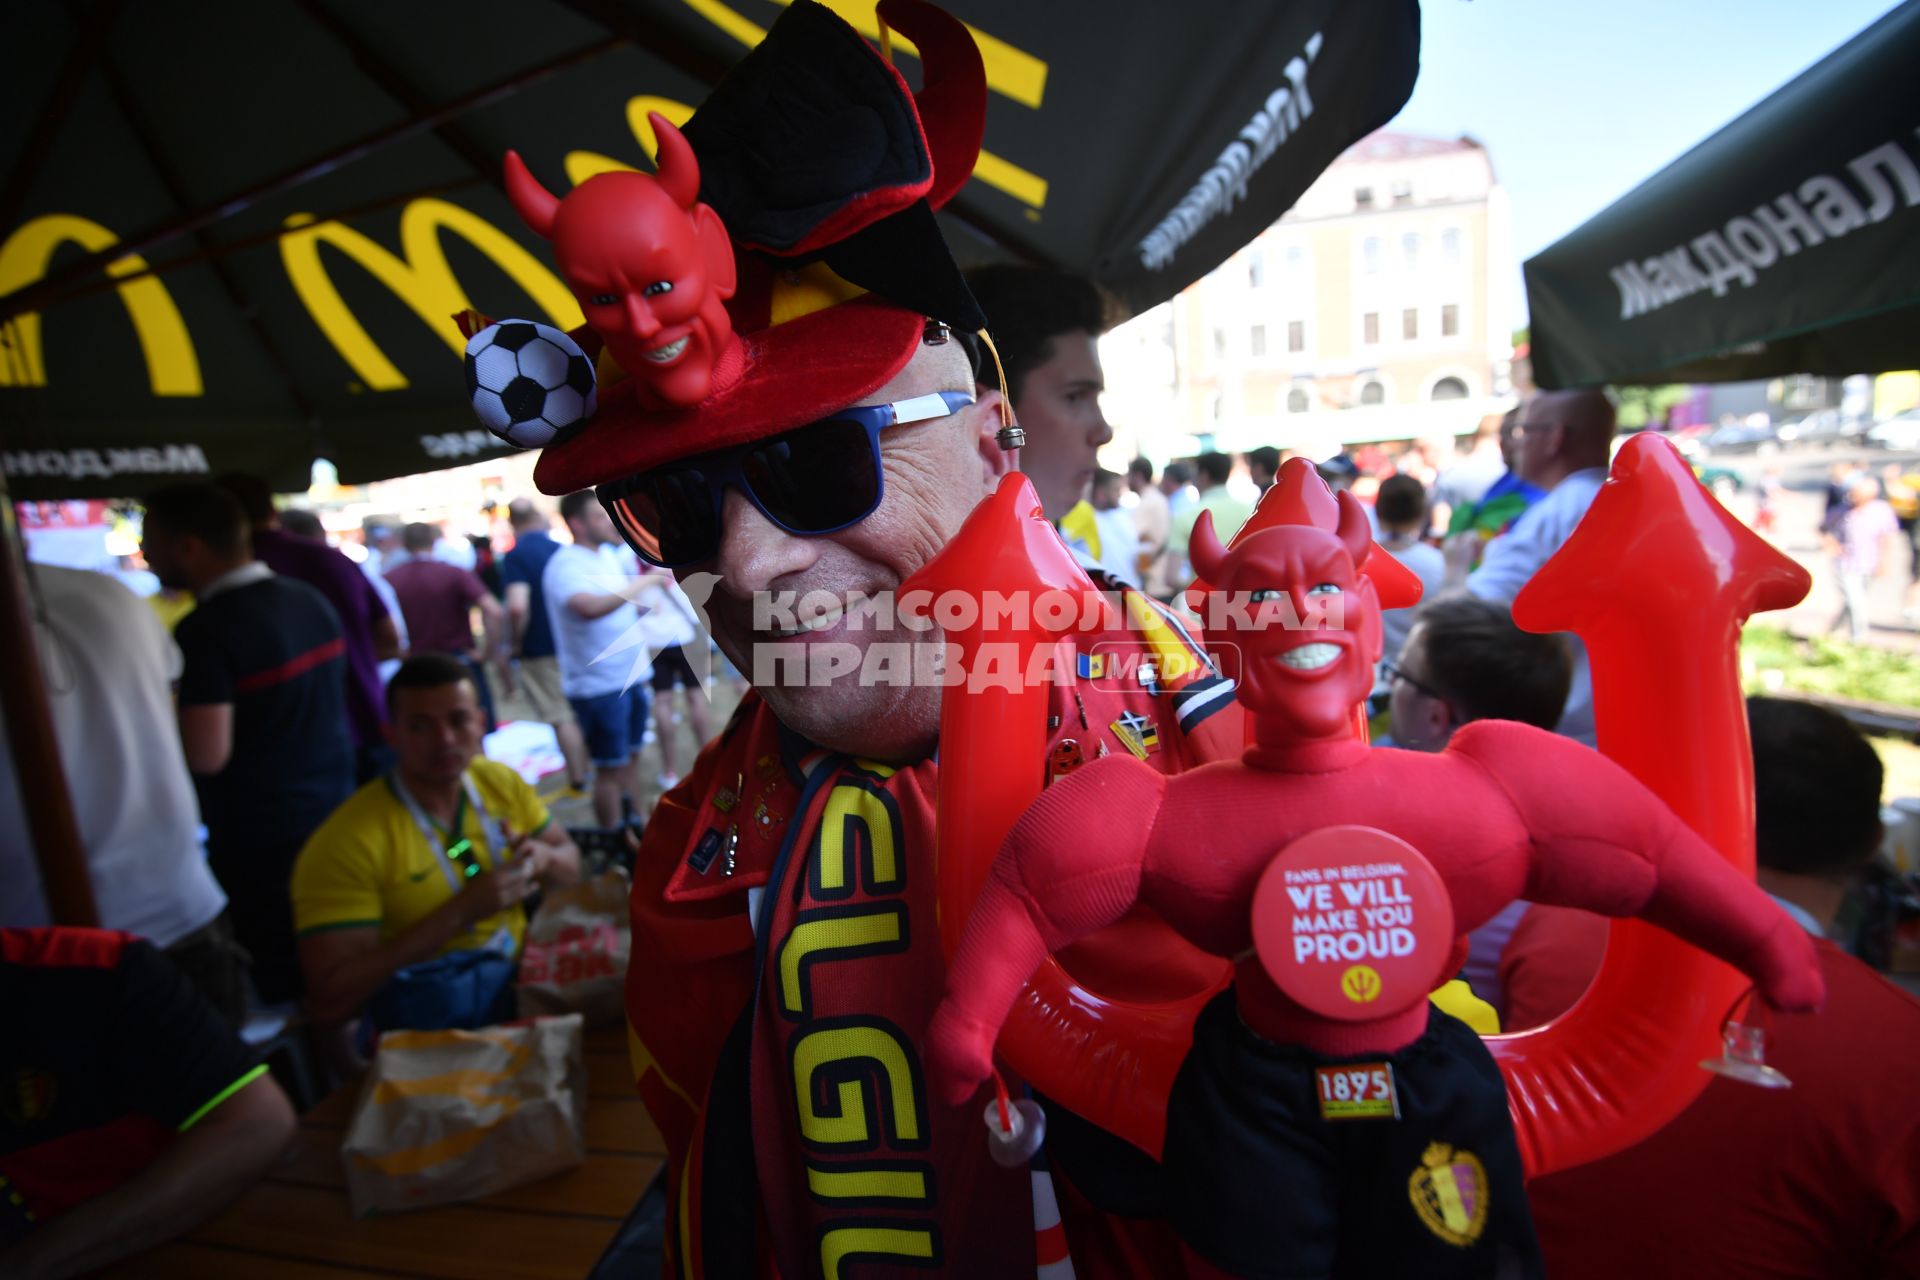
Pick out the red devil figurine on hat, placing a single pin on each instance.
(802, 281)
(651, 266)
(1328, 1119)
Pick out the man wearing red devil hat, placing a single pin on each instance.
(784, 420)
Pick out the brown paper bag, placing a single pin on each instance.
(575, 959)
(454, 1115)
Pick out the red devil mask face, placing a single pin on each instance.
(651, 266)
(1306, 624)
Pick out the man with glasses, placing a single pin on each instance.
(1464, 660)
(786, 942)
(435, 857)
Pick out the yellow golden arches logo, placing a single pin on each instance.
(582, 165)
(1449, 1191)
(172, 367)
(1360, 984)
(419, 276)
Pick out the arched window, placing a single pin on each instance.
(1449, 389)
(1297, 400)
(1371, 392)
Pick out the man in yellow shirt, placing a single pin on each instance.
(434, 857)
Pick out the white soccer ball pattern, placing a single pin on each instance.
(528, 381)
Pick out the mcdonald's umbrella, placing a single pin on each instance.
(234, 230)
(1789, 242)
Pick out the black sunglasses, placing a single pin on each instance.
(820, 478)
(1392, 672)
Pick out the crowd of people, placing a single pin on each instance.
(787, 934)
(271, 711)
(285, 798)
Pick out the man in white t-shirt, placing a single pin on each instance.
(109, 667)
(589, 597)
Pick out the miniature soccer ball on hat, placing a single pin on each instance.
(528, 381)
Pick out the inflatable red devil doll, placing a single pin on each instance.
(1329, 1119)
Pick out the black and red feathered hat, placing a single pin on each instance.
(826, 170)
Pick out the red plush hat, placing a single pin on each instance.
(825, 170)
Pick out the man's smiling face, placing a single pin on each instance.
(935, 472)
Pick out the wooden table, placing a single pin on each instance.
(296, 1225)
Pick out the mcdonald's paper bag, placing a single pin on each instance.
(575, 959)
(454, 1115)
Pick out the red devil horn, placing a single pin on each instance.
(952, 102)
(535, 204)
(674, 165)
(1204, 549)
(1353, 530)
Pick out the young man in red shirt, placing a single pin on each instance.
(1822, 1179)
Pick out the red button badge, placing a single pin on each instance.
(1352, 923)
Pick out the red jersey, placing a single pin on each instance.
(1822, 1179)
(782, 979)
(109, 1053)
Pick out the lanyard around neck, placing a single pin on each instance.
(437, 840)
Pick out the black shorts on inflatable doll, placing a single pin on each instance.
(1435, 1193)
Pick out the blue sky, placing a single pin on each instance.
(1578, 101)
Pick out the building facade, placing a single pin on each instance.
(1370, 312)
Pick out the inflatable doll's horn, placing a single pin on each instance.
(1353, 530)
(674, 165)
(1204, 549)
(535, 204)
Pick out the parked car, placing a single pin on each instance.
(1901, 431)
(1825, 426)
(1812, 429)
(1743, 437)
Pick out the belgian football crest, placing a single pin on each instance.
(1449, 1192)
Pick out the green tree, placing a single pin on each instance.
(1644, 406)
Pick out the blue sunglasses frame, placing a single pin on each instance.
(722, 469)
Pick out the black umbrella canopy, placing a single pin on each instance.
(1789, 242)
(232, 231)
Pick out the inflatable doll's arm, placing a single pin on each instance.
(1603, 841)
(1070, 866)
